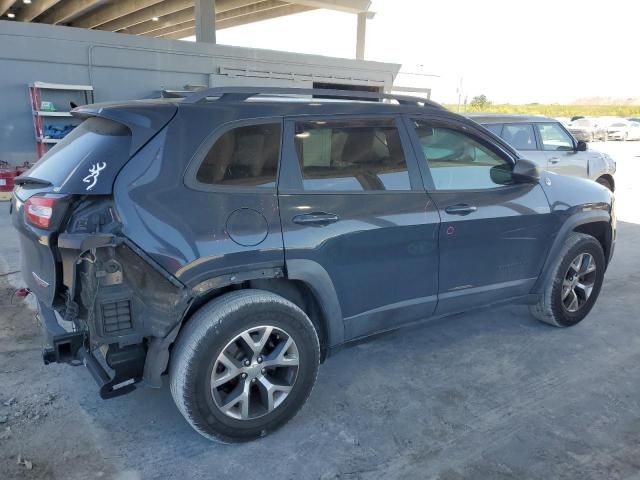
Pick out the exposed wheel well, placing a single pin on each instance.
(600, 231)
(295, 291)
(610, 182)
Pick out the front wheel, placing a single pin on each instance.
(244, 365)
(605, 183)
(575, 283)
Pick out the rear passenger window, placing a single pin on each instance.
(520, 136)
(243, 157)
(356, 155)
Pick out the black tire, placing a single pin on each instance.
(550, 308)
(605, 183)
(208, 333)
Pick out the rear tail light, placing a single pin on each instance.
(41, 211)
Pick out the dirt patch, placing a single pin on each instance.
(44, 433)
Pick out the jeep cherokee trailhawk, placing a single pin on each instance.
(236, 237)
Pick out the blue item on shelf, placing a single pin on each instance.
(57, 132)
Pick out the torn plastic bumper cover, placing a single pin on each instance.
(121, 309)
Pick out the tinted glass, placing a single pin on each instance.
(93, 141)
(554, 137)
(354, 155)
(520, 136)
(495, 128)
(459, 162)
(243, 157)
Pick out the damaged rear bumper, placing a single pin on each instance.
(116, 370)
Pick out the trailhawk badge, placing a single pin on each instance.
(94, 171)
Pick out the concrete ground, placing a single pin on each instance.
(489, 394)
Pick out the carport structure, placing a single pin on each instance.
(173, 19)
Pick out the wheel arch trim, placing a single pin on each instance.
(318, 280)
(571, 224)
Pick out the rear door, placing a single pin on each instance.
(560, 149)
(522, 137)
(352, 202)
(494, 233)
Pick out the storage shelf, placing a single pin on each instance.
(61, 86)
(45, 113)
(39, 93)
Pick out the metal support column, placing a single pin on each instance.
(205, 21)
(362, 31)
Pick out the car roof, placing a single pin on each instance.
(488, 118)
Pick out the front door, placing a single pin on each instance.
(352, 203)
(561, 152)
(494, 233)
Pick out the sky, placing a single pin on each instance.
(512, 51)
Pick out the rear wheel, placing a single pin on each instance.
(244, 365)
(575, 284)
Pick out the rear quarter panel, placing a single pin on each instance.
(183, 229)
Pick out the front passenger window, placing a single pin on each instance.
(459, 162)
(554, 137)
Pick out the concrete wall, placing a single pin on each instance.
(125, 67)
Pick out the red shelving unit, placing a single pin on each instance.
(38, 93)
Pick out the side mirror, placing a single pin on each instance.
(525, 171)
(582, 146)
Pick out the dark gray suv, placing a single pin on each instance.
(237, 237)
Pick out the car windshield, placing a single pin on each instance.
(582, 122)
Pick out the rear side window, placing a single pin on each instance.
(95, 142)
(520, 136)
(354, 155)
(243, 157)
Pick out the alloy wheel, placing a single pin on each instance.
(254, 373)
(578, 282)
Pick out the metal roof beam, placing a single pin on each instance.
(5, 5)
(183, 30)
(34, 9)
(182, 16)
(67, 11)
(112, 11)
(124, 14)
(349, 6)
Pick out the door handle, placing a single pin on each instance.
(554, 160)
(460, 209)
(315, 218)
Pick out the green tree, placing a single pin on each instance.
(480, 102)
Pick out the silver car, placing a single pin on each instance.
(548, 143)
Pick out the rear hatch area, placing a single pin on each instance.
(80, 168)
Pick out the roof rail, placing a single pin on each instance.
(243, 93)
